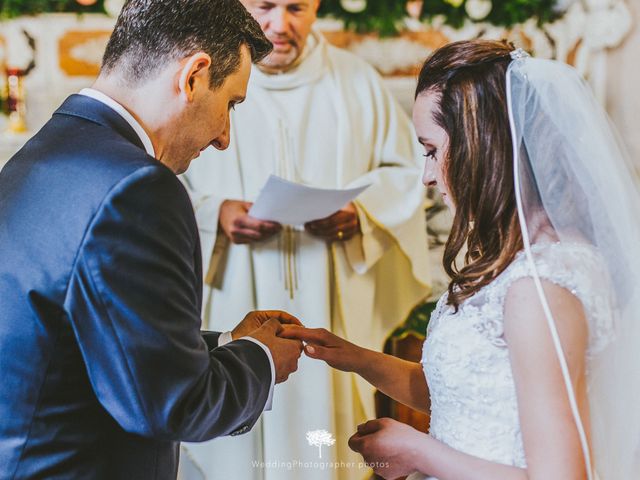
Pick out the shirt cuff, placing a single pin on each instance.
(224, 338)
(267, 405)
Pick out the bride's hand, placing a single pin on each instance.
(324, 345)
(389, 447)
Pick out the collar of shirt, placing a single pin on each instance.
(111, 103)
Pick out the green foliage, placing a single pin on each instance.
(16, 8)
(386, 16)
(503, 12)
(416, 322)
(382, 16)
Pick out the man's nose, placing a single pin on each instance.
(279, 20)
(222, 141)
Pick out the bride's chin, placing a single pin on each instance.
(447, 201)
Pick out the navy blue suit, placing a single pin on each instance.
(103, 367)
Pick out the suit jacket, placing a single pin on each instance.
(103, 365)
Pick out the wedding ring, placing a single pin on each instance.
(340, 234)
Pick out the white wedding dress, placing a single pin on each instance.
(466, 359)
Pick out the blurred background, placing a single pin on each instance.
(51, 48)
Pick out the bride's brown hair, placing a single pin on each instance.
(469, 80)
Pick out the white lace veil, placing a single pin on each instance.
(572, 178)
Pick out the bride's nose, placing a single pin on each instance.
(428, 176)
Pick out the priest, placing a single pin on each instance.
(319, 116)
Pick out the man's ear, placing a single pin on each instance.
(193, 74)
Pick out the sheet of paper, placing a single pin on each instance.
(294, 204)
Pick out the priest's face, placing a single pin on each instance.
(287, 24)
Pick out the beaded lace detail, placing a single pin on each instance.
(466, 359)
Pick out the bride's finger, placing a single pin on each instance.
(316, 336)
(324, 353)
(318, 352)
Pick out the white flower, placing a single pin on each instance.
(478, 9)
(607, 28)
(599, 4)
(468, 30)
(113, 7)
(18, 53)
(354, 6)
(563, 5)
(541, 46)
(437, 21)
(390, 54)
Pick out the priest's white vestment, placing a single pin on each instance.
(328, 123)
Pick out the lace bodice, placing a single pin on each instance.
(466, 359)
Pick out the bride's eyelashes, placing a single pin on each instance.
(431, 154)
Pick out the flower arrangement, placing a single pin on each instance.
(383, 16)
(363, 16)
(387, 17)
(504, 13)
(16, 8)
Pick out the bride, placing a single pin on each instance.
(529, 368)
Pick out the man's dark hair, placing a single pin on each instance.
(150, 33)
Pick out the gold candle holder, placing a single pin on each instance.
(16, 107)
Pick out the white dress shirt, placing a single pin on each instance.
(224, 337)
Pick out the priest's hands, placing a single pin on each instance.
(389, 447)
(324, 345)
(265, 326)
(239, 227)
(342, 225)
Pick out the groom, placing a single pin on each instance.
(103, 366)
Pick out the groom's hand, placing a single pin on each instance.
(254, 320)
(285, 352)
(389, 447)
